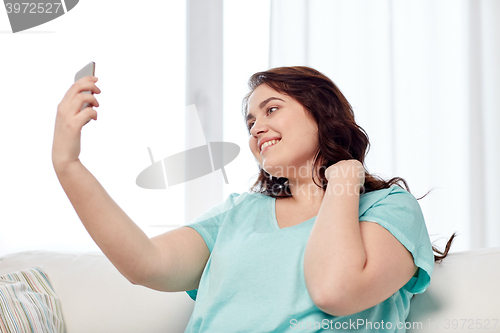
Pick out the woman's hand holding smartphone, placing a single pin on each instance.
(70, 119)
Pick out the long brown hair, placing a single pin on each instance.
(340, 138)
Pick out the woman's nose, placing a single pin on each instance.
(259, 127)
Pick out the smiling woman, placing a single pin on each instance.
(318, 240)
(339, 137)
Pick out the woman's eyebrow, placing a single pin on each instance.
(261, 105)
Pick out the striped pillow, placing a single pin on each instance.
(28, 303)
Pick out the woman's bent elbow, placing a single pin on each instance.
(337, 305)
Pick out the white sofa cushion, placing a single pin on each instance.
(95, 297)
(463, 295)
(463, 286)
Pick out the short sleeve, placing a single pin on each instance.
(208, 224)
(399, 212)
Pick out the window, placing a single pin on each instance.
(140, 63)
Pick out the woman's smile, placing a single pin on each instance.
(267, 147)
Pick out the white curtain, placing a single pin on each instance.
(423, 79)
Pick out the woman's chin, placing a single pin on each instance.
(274, 169)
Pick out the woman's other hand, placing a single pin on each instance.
(346, 170)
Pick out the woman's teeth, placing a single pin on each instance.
(268, 143)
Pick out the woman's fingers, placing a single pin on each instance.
(86, 83)
(84, 116)
(78, 94)
(80, 99)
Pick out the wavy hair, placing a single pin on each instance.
(340, 138)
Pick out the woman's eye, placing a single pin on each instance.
(272, 108)
(250, 125)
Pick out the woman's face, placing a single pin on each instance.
(279, 116)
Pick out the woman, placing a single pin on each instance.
(318, 244)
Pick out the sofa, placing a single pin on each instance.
(95, 297)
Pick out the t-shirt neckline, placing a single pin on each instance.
(274, 220)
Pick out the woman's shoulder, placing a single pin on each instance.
(394, 196)
(394, 191)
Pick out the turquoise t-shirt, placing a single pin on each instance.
(254, 278)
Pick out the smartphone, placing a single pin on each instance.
(88, 70)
